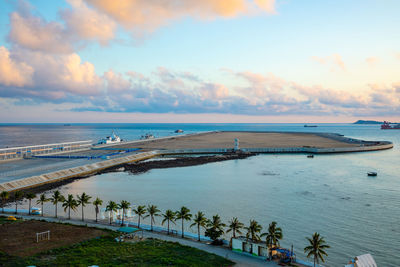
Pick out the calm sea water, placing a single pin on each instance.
(330, 194)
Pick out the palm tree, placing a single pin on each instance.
(98, 202)
(111, 207)
(200, 220)
(4, 197)
(183, 214)
(235, 226)
(273, 236)
(83, 199)
(30, 196)
(253, 230)
(215, 228)
(140, 211)
(17, 196)
(169, 216)
(70, 203)
(152, 211)
(316, 248)
(124, 205)
(55, 198)
(42, 199)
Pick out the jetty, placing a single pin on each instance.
(38, 165)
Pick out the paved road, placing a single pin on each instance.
(240, 259)
(23, 168)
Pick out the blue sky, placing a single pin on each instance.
(233, 60)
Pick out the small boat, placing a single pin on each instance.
(36, 211)
(310, 156)
(147, 136)
(372, 173)
(305, 125)
(179, 131)
(110, 139)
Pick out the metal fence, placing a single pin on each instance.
(27, 151)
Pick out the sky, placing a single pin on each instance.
(258, 61)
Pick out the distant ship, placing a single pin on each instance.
(305, 125)
(113, 139)
(387, 126)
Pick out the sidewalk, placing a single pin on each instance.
(239, 259)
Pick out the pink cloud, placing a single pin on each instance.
(87, 23)
(14, 73)
(147, 15)
(334, 61)
(36, 34)
(372, 61)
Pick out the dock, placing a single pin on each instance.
(44, 168)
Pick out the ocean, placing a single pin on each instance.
(330, 194)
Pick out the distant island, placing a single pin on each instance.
(368, 122)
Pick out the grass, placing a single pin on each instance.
(3, 220)
(105, 251)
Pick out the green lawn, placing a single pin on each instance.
(3, 219)
(106, 251)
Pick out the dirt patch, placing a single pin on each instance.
(19, 239)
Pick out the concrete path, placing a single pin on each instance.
(239, 259)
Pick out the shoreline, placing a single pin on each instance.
(139, 168)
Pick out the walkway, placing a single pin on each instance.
(241, 260)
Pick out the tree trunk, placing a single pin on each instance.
(151, 223)
(139, 222)
(16, 207)
(82, 213)
(29, 211)
(110, 217)
(314, 261)
(56, 210)
(198, 230)
(97, 211)
(183, 235)
(42, 209)
(123, 216)
(168, 228)
(69, 213)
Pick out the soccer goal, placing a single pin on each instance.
(42, 236)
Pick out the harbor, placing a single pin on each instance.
(32, 166)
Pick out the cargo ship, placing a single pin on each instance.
(387, 126)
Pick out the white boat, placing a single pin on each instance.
(113, 139)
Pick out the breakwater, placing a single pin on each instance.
(194, 143)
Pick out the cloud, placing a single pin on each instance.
(14, 73)
(147, 15)
(36, 34)
(49, 77)
(334, 62)
(87, 23)
(372, 61)
(65, 78)
(214, 91)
